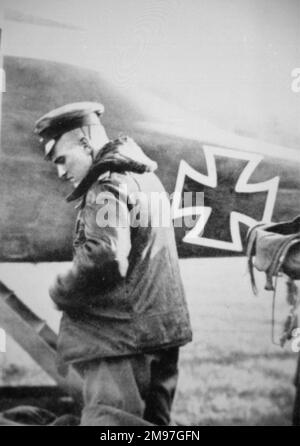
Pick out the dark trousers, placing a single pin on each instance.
(133, 390)
(296, 410)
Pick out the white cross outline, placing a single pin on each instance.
(210, 180)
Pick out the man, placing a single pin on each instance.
(124, 310)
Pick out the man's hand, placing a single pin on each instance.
(102, 259)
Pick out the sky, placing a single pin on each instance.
(225, 61)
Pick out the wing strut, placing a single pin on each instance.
(36, 338)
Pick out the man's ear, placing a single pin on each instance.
(86, 145)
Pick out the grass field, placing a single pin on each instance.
(230, 374)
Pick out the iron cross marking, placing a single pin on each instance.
(230, 198)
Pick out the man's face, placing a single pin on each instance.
(72, 157)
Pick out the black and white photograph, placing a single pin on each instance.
(150, 215)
